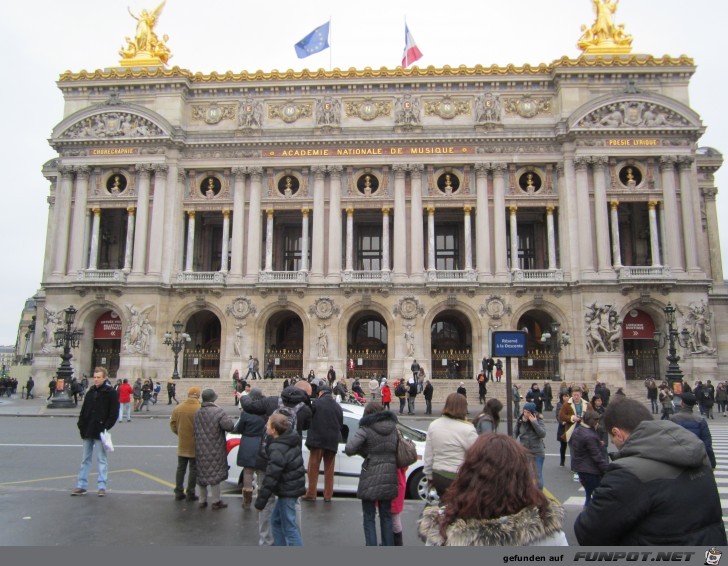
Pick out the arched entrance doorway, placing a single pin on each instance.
(201, 358)
(539, 364)
(451, 340)
(367, 346)
(107, 343)
(283, 345)
(640, 353)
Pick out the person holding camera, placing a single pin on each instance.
(530, 431)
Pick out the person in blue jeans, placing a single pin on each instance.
(99, 412)
(530, 431)
(285, 477)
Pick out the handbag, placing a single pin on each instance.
(106, 441)
(406, 451)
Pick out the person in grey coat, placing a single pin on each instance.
(376, 441)
(531, 431)
(210, 426)
(251, 429)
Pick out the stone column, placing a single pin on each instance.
(654, 234)
(385, 239)
(63, 220)
(304, 240)
(586, 246)
(349, 239)
(139, 264)
(225, 240)
(662, 233)
(158, 218)
(673, 256)
(318, 241)
(711, 216)
(190, 240)
(78, 224)
(417, 246)
(601, 215)
(431, 266)
(334, 268)
(173, 250)
(129, 246)
(551, 237)
(93, 256)
(616, 247)
(514, 238)
(499, 220)
(688, 217)
(568, 226)
(254, 228)
(482, 223)
(400, 226)
(269, 240)
(87, 221)
(468, 239)
(236, 249)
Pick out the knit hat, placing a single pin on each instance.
(194, 392)
(209, 396)
(530, 407)
(689, 399)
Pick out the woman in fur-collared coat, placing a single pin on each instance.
(506, 510)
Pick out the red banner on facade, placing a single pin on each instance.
(638, 325)
(108, 326)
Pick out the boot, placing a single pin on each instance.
(247, 497)
(398, 539)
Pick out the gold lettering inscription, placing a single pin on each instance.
(633, 143)
(115, 151)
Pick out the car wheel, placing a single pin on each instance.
(417, 486)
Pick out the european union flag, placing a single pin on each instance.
(316, 41)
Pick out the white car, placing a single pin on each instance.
(348, 468)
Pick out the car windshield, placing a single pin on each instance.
(411, 433)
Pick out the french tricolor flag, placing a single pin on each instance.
(411, 52)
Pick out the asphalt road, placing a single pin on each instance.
(40, 459)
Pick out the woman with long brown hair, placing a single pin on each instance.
(494, 501)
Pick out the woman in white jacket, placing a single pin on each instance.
(448, 439)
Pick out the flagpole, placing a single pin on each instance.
(331, 40)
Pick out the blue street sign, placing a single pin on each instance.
(509, 344)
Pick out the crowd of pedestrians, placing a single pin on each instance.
(490, 486)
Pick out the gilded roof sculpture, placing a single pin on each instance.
(604, 36)
(146, 49)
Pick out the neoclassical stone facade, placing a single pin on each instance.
(364, 219)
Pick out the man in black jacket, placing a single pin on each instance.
(322, 441)
(411, 396)
(99, 412)
(658, 491)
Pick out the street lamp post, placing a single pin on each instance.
(177, 343)
(66, 338)
(555, 341)
(674, 373)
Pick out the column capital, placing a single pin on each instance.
(226, 213)
(191, 214)
(599, 162)
(318, 172)
(82, 172)
(614, 204)
(304, 212)
(652, 204)
(581, 163)
(399, 170)
(349, 211)
(144, 169)
(499, 168)
(667, 163)
(685, 163)
(66, 171)
(269, 212)
(513, 209)
(385, 210)
(482, 169)
(239, 172)
(335, 170)
(96, 211)
(131, 210)
(467, 209)
(161, 170)
(256, 173)
(430, 209)
(416, 167)
(550, 208)
(709, 193)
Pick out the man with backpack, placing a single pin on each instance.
(295, 403)
(400, 391)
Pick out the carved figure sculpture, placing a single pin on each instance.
(407, 111)
(602, 329)
(487, 108)
(53, 322)
(323, 341)
(697, 323)
(138, 331)
(409, 338)
(250, 114)
(328, 112)
(238, 344)
(145, 39)
(603, 32)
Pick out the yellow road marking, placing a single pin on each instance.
(132, 470)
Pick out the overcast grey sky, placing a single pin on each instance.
(41, 39)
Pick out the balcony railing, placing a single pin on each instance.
(631, 272)
(283, 277)
(462, 276)
(538, 275)
(101, 276)
(365, 277)
(201, 278)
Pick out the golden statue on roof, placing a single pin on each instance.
(146, 49)
(604, 37)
